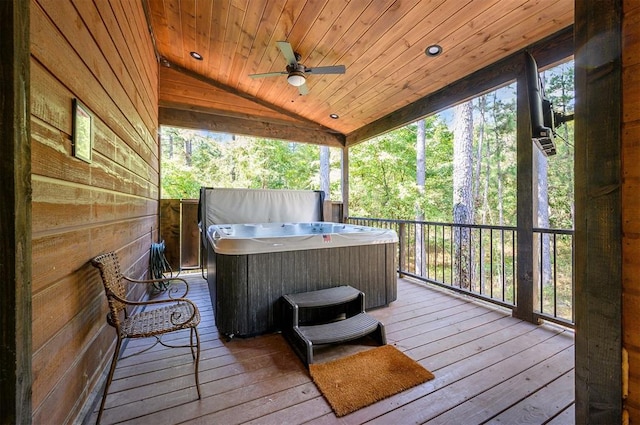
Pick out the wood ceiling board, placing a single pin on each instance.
(549, 51)
(179, 88)
(255, 42)
(305, 39)
(232, 39)
(321, 100)
(381, 43)
(271, 59)
(204, 24)
(411, 52)
(489, 50)
(382, 72)
(245, 43)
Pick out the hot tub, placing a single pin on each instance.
(242, 239)
(250, 266)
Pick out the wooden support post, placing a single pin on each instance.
(598, 205)
(524, 248)
(15, 215)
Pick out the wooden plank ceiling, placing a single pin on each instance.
(381, 42)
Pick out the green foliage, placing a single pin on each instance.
(383, 174)
(191, 159)
(559, 83)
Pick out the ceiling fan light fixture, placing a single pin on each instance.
(296, 78)
(433, 50)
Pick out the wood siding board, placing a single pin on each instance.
(15, 216)
(58, 161)
(55, 358)
(132, 26)
(77, 45)
(630, 36)
(86, 209)
(148, 68)
(631, 107)
(598, 213)
(113, 45)
(70, 389)
(44, 37)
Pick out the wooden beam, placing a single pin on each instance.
(249, 127)
(548, 51)
(15, 215)
(238, 115)
(525, 203)
(598, 218)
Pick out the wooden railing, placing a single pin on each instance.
(480, 261)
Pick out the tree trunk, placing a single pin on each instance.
(543, 215)
(462, 192)
(325, 171)
(420, 183)
(482, 105)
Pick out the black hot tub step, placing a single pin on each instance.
(323, 297)
(352, 328)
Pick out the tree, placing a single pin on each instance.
(462, 192)
(325, 166)
(420, 184)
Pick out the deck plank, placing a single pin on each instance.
(489, 366)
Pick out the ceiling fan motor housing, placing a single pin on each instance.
(296, 75)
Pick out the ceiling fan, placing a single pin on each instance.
(296, 72)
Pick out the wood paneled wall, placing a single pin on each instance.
(102, 54)
(631, 200)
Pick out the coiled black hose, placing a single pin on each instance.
(158, 265)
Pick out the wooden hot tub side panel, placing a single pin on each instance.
(246, 289)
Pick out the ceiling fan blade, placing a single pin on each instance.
(338, 69)
(288, 54)
(267, 74)
(303, 89)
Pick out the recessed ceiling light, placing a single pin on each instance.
(433, 50)
(196, 55)
(334, 116)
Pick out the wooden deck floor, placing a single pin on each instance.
(489, 368)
